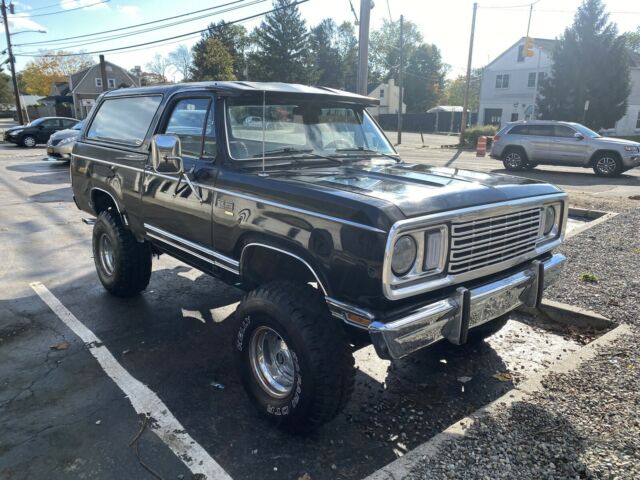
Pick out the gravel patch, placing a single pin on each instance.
(584, 424)
(602, 268)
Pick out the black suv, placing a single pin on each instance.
(38, 131)
(306, 205)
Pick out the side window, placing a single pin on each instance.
(563, 131)
(541, 130)
(99, 82)
(519, 130)
(124, 119)
(210, 149)
(68, 123)
(187, 122)
(51, 123)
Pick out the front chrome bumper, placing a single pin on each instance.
(452, 317)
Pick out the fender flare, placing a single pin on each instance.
(115, 201)
(284, 252)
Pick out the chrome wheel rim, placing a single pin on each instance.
(514, 160)
(271, 362)
(106, 253)
(29, 141)
(606, 164)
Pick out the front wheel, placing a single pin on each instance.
(28, 141)
(607, 165)
(293, 359)
(123, 264)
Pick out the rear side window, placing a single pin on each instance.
(519, 130)
(124, 120)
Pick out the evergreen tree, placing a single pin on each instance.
(282, 43)
(590, 63)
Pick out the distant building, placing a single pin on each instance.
(389, 95)
(86, 85)
(509, 84)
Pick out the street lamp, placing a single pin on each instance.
(28, 31)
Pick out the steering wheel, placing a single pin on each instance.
(337, 144)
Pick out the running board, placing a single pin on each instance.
(89, 221)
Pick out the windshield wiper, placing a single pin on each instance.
(367, 150)
(301, 151)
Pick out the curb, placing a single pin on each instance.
(402, 467)
(569, 315)
(596, 217)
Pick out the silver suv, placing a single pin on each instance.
(524, 145)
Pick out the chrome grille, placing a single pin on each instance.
(479, 243)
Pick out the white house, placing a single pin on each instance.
(389, 95)
(508, 87)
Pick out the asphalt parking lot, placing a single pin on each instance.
(63, 416)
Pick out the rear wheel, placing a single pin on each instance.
(28, 141)
(514, 159)
(294, 360)
(607, 165)
(123, 264)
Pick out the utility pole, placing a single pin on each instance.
(103, 73)
(401, 79)
(12, 63)
(363, 47)
(465, 103)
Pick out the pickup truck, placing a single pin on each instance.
(338, 243)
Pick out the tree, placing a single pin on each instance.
(424, 71)
(454, 90)
(590, 63)
(425, 78)
(38, 74)
(180, 59)
(212, 61)
(235, 41)
(159, 66)
(325, 55)
(281, 44)
(347, 45)
(632, 40)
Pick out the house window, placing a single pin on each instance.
(502, 81)
(99, 82)
(520, 53)
(382, 93)
(541, 76)
(638, 121)
(532, 79)
(111, 83)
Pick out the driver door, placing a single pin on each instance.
(175, 214)
(48, 128)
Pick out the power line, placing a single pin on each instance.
(56, 40)
(51, 5)
(71, 44)
(250, 17)
(61, 11)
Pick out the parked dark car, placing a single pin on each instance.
(38, 131)
(338, 242)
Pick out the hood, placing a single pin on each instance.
(617, 141)
(61, 134)
(19, 127)
(418, 189)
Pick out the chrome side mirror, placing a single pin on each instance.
(578, 136)
(166, 154)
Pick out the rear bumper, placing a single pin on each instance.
(452, 317)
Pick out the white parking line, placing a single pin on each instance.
(143, 399)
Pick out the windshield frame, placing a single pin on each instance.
(359, 108)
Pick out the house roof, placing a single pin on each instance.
(547, 44)
(240, 88)
(76, 78)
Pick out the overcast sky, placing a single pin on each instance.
(445, 23)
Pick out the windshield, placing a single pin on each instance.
(302, 127)
(77, 126)
(587, 132)
(36, 122)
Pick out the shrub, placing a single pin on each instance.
(470, 137)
